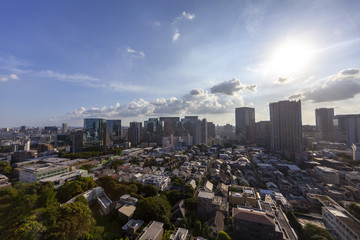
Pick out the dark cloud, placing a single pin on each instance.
(341, 86)
(282, 80)
(296, 96)
(230, 87)
(353, 71)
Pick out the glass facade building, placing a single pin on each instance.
(94, 132)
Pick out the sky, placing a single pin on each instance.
(63, 61)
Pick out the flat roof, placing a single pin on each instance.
(152, 230)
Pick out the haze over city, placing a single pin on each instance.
(65, 61)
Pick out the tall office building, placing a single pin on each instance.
(94, 132)
(64, 128)
(324, 123)
(153, 130)
(245, 125)
(200, 132)
(113, 132)
(263, 134)
(347, 128)
(134, 133)
(170, 125)
(211, 130)
(286, 125)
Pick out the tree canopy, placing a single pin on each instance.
(153, 208)
(5, 168)
(223, 236)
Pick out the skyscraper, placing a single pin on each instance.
(347, 128)
(286, 125)
(245, 125)
(134, 133)
(64, 128)
(153, 130)
(324, 123)
(113, 131)
(94, 132)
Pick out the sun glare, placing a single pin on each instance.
(290, 57)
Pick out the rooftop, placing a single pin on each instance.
(254, 215)
(151, 231)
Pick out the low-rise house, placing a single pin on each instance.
(126, 212)
(4, 181)
(222, 190)
(208, 186)
(255, 224)
(327, 175)
(127, 199)
(216, 223)
(179, 234)
(160, 182)
(154, 230)
(132, 226)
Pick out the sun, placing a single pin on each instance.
(290, 57)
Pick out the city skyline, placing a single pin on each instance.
(66, 61)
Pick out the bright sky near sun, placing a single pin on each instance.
(62, 61)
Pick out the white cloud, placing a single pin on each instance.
(176, 35)
(230, 87)
(14, 76)
(197, 101)
(341, 86)
(135, 54)
(157, 24)
(184, 16)
(7, 78)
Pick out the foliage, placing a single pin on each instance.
(197, 228)
(5, 149)
(30, 229)
(150, 190)
(153, 208)
(83, 155)
(5, 168)
(74, 221)
(173, 196)
(223, 236)
(116, 163)
(312, 232)
(114, 189)
(295, 223)
(87, 167)
(167, 234)
(73, 188)
(354, 209)
(82, 199)
(191, 204)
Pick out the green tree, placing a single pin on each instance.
(354, 209)
(312, 232)
(30, 229)
(75, 220)
(73, 188)
(153, 208)
(150, 190)
(197, 228)
(173, 196)
(223, 236)
(5, 168)
(81, 199)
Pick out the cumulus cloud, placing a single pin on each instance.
(341, 86)
(135, 54)
(230, 87)
(7, 78)
(176, 35)
(14, 76)
(184, 16)
(296, 96)
(197, 101)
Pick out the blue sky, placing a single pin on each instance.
(62, 61)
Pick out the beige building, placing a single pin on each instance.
(327, 175)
